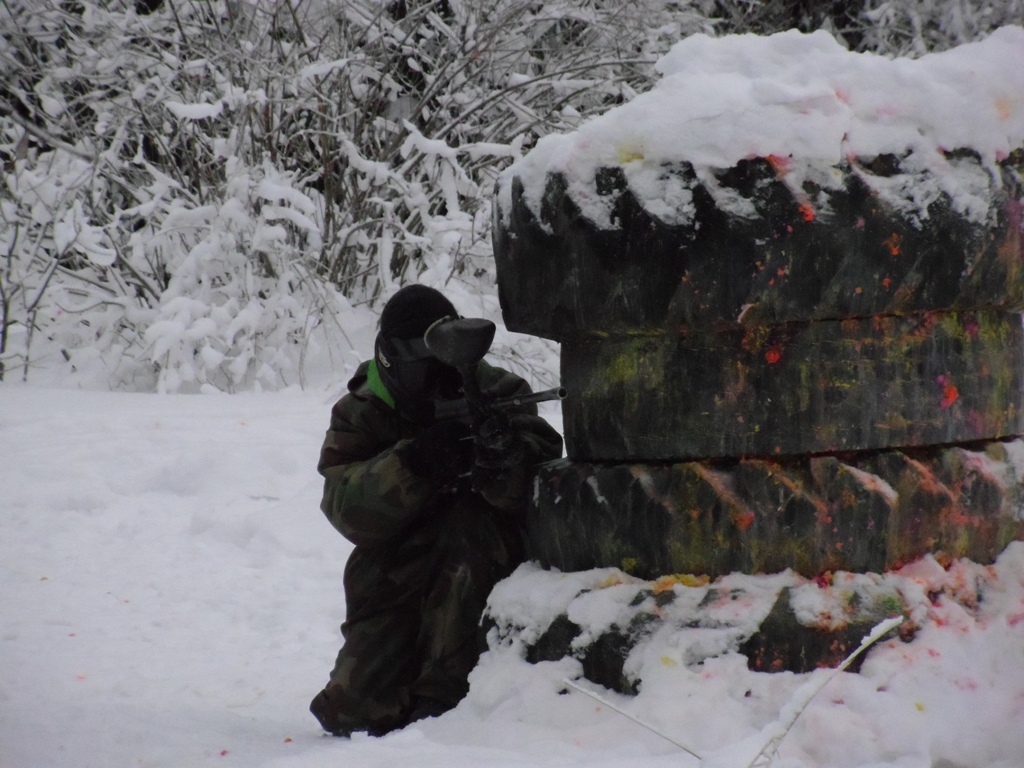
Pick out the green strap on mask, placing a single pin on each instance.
(376, 384)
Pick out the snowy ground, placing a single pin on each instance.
(170, 596)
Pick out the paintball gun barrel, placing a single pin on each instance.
(460, 409)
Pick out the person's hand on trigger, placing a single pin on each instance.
(442, 453)
(500, 460)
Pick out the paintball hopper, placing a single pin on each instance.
(461, 342)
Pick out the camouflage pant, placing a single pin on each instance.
(412, 658)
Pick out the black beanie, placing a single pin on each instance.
(412, 310)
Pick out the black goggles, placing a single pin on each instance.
(409, 350)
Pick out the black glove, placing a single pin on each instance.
(499, 445)
(500, 460)
(442, 453)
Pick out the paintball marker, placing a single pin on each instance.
(462, 344)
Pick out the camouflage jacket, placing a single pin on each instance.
(392, 515)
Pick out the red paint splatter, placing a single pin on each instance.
(965, 684)
(1015, 619)
(807, 211)
(950, 394)
(744, 520)
(886, 283)
(933, 653)
(223, 752)
(779, 164)
(893, 243)
(773, 355)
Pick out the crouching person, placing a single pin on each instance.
(436, 517)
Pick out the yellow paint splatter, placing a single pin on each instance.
(665, 583)
(611, 581)
(628, 155)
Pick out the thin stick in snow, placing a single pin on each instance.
(804, 694)
(630, 716)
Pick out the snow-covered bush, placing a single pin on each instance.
(192, 187)
(142, 246)
(239, 303)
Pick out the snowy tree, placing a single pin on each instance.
(194, 189)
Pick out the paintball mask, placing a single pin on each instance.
(412, 375)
